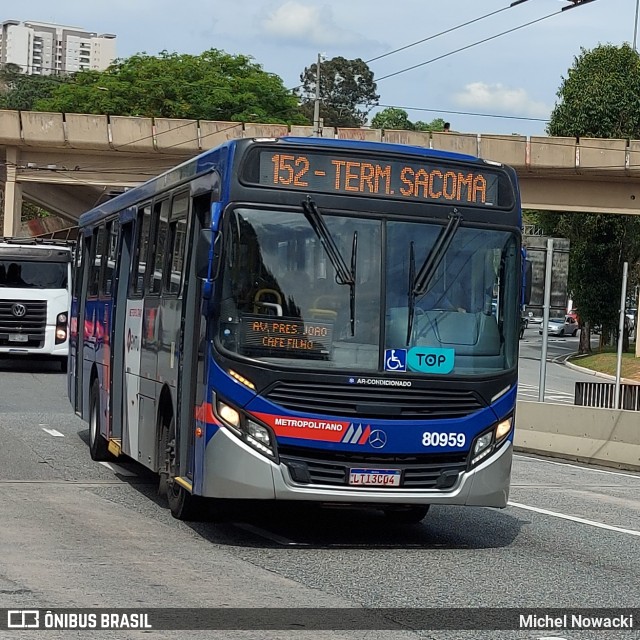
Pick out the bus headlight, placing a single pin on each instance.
(229, 415)
(482, 443)
(256, 435)
(486, 443)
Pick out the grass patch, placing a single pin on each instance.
(606, 362)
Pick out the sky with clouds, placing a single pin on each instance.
(515, 75)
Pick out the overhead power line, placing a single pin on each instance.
(437, 35)
(469, 46)
(464, 113)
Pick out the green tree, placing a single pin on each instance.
(211, 86)
(598, 98)
(395, 118)
(21, 92)
(392, 118)
(347, 92)
(435, 125)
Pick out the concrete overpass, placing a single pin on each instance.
(67, 163)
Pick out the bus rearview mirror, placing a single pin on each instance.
(203, 253)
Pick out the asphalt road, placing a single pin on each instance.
(74, 533)
(559, 380)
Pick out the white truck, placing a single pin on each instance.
(35, 298)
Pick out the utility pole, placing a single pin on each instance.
(316, 107)
(623, 317)
(635, 27)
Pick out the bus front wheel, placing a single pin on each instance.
(98, 446)
(409, 514)
(183, 505)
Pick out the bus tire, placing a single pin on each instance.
(407, 514)
(98, 446)
(182, 504)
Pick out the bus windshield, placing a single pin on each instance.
(282, 302)
(33, 274)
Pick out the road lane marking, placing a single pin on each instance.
(116, 468)
(575, 466)
(54, 433)
(564, 516)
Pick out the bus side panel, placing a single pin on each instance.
(96, 354)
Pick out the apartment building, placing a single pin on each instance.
(40, 48)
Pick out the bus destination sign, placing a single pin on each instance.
(411, 179)
(286, 337)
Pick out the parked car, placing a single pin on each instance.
(631, 319)
(566, 326)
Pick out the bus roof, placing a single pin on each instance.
(208, 160)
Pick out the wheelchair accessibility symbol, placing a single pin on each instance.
(395, 360)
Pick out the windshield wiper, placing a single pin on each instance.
(412, 296)
(343, 274)
(352, 285)
(419, 285)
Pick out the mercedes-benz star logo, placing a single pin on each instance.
(377, 439)
(18, 310)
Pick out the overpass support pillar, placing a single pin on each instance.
(12, 195)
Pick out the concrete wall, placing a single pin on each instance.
(607, 437)
(99, 151)
(530, 156)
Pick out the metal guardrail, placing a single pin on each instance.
(602, 395)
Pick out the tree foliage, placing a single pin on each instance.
(211, 86)
(347, 92)
(392, 118)
(21, 92)
(395, 118)
(598, 98)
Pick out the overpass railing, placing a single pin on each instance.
(602, 395)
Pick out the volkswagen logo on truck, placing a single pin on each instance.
(18, 310)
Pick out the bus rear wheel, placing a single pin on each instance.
(98, 446)
(182, 504)
(407, 514)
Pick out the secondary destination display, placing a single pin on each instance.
(386, 178)
(286, 337)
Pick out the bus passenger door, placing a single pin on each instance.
(131, 336)
(76, 323)
(192, 369)
(119, 278)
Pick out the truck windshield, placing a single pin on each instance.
(281, 300)
(33, 274)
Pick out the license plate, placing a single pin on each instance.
(18, 337)
(374, 477)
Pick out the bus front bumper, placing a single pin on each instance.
(233, 470)
(48, 347)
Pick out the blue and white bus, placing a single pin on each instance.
(306, 319)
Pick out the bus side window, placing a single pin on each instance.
(139, 264)
(78, 259)
(160, 212)
(177, 241)
(110, 259)
(97, 250)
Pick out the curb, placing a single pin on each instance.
(598, 374)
